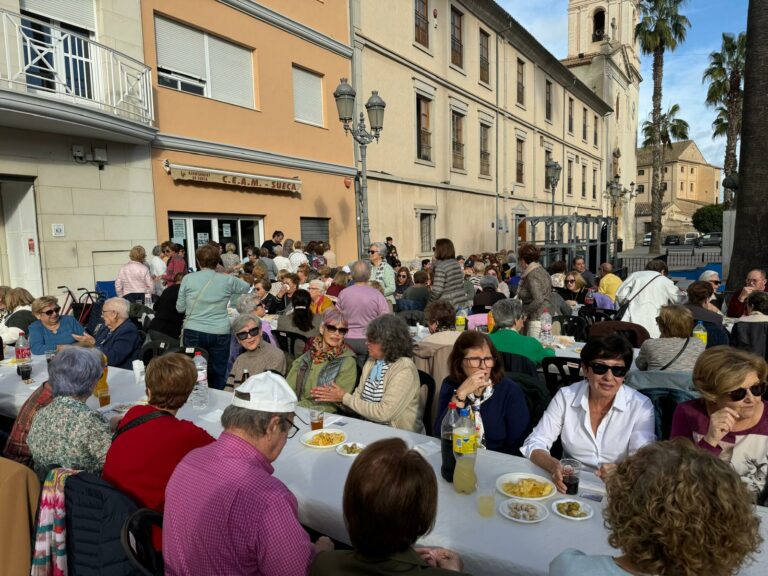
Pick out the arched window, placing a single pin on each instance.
(598, 25)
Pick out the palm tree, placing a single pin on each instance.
(673, 129)
(661, 28)
(725, 74)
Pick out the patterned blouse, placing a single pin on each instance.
(69, 433)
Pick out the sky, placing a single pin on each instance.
(547, 20)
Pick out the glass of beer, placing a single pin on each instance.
(486, 497)
(571, 470)
(316, 419)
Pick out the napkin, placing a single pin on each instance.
(428, 448)
(213, 417)
(333, 420)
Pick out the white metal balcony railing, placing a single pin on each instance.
(55, 62)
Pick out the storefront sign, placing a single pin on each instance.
(226, 230)
(202, 238)
(211, 176)
(179, 231)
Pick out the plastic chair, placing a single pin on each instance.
(518, 364)
(574, 326)
(593, 315)
(665, 401)
(287, 342)
(426, 397)
(136, 538)
(191, 351)
(153, 349)
(567, 372)
(412, 317)
(635, 333)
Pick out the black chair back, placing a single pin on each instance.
(412, 317)
(153, 349)
(567, 372)
(665, 401)
(592, 315)
(635, 333)
(518, 364)
(574, 326)
(427, 395)
(191, 351)
(537, 395)
(287, 342)
(137, 541)
(170, 341)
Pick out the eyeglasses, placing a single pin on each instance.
(247, 334)
(716, 282)
(52, 311)
(373, 251)
(108, 311)
(600, 369)
(293, 429)
(402, 275)
(333, 329)
(570, 281)
(757, 390)
(476, 361)
(751, 281)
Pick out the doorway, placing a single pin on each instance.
(22, 246)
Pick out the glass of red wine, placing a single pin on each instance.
(571, 470)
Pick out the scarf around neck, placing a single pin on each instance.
(320, 352)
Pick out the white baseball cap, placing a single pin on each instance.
(265, 392)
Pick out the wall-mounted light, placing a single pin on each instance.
(94, 155)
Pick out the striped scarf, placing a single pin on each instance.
(50, 555)
(373, 389)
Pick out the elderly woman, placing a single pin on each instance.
(290, 284)
(175, 263)
(676, 350)
(403, 281)
(339, 282)
(258, 356)
(320, 302)
(67, 432)
(150, 441)
(51, 330)
(488, 295)
(534, 289)
(168, 321)
(390, 502)
(672, 509)
(118, 338)
(230, 259)
(327, 361)
(730, 420)
(508, 319)
(18, 306)
(281, 262)
(574, 290)
(700, 303)
(134, 280)
(476, 380)
(262, 287)
(203, 297)
(750, 332)
(157, 269)
(388, 392)
(381, 271)
(296, 256)
(249, 304)
(448, 278)
(599, 420)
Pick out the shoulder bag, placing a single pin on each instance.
(668, 364)
(139, 421)
(623, 308)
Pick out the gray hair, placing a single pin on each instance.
(240, 322)
(361, 271)
(381, 247)
(391, 333)
(506, 312)
(253, 422)
(247, 303)
(121, 306)
(288, 246)
(277, 250)
(157, 250)
(75, 370)
(708, 275)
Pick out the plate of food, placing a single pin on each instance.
(522, 511)
(324, 438)
(525, 486)
(350, 449)
(571, 509)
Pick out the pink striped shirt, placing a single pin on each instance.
(134, 278)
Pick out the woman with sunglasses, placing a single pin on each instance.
(327, 361)
(403, 281)
(257, 355)
(730, 420)
(575, 289)
(51, 329)
(599, 420)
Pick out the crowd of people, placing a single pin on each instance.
(350, 349)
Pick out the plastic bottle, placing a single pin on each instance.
(545, 336)
(464, 450)
(700, 332)
(22, 349)
(245, 376)
(589, 299)
(200, 391)
(148, 300)
(446, 442)
(461, 320)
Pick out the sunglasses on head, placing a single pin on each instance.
(739, 394)
(600, 369)
(52, 311)
(333, 329)
(248, 333)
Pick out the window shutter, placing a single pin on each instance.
(314, 229)
(78, 12)
(231, 72)
(180, 48)
(307, 96)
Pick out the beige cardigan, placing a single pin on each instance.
(400, 407)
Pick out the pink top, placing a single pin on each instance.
(134, 278)
(226, 514)
(360, 304)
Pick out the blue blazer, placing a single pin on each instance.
(122, 346)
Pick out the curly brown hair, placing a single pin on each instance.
(676, 509)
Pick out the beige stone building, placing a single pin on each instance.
(76, 119)
(689, 181)
(475, 106)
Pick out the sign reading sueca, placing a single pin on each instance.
(197, 174)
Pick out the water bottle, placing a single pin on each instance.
(465, 450)
(545, 336)
(461, 320)
(446, 443)
(245, 376)
(148, 300)
(22, 349)
(700, 332)
(200, 391)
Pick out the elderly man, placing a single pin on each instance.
(580, 265)
(609, 282)
(224, 511)
(381, 271)
(713, 278)
(509, 320)
(281, 262)
(755, 282)
(646, 292)
(360, 304)
(257, 355)
(118, 338)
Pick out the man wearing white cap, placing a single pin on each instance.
(224, 511)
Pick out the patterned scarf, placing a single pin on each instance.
(50, 555)
(373, 389)
(476, 403)
(320, 352)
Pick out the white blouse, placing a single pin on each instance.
(628, 426)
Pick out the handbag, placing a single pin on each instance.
(668, 364)
(189, 313)
(625, 306)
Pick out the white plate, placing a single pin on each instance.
(584, 508)
(309, 435)
(516, 477)
(504, 510)
(340, 451)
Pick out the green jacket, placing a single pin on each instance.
(304, 375)
(512, 342)
(350, 563)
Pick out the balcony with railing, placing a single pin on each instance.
(458, 155)
(425, 145)
(66, 78)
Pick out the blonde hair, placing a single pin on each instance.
(579, 281)
(18, 297)
(138, 254)
(43, 302)
(675, 321)
(722, 369)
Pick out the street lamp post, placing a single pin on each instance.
(345, 104)
(615, 192)
(552, 174)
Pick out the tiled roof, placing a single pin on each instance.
(671, 154)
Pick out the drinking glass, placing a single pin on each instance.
(316, 419)
(571, 469)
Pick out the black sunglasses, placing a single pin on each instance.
(52, 311)
(333, 329)
(373, 251)
(717, 282)
(739, 394)
(248, 333)
(600, 369)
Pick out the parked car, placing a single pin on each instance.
(647, 239)
(673, 240)
(691, 237)
(711, 239)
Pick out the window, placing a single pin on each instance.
(457, 140)
(307, 96)
(485, 67)
(315, 228)
(594, 184)
(457, 48)
(426, 231)
(520, 167)
(640, 188)
(570, 178)
(520, 82)
(196, 62)
(570, 115)
(682, 169)
(583, 181)
(682, 186)
(641, 172)
(598, 26)
(421, 22)
(691, 170)
(423, 135)
(485, 154)
(594, 131)
(691, 186)
(584, 124)
(665, 169)
(548, 100)
(663, 186)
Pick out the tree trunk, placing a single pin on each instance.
(731, 138)
(657, 194)
(750, 245)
